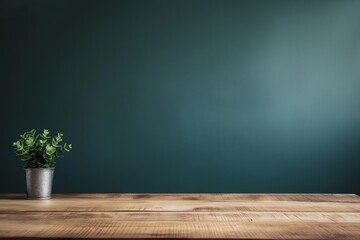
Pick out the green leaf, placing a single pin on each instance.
(36, 151)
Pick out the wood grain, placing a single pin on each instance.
(185, 203)
(182, 216)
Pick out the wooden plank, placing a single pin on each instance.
(185, 217)
(181, 225)
(187, 203)
(151, 205)
(205, 196)
(179, 216)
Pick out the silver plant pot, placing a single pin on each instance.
(39, 182)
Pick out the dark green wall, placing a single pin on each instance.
(185, 96)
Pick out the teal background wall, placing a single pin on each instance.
(185, 96)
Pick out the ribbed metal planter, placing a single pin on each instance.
(39, 182)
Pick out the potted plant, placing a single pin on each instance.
(40, 153)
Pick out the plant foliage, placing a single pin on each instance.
(41, 150)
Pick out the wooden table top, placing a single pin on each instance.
(181, 216)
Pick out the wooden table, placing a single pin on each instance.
(182, 216)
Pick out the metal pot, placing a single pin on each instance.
(39, 182)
